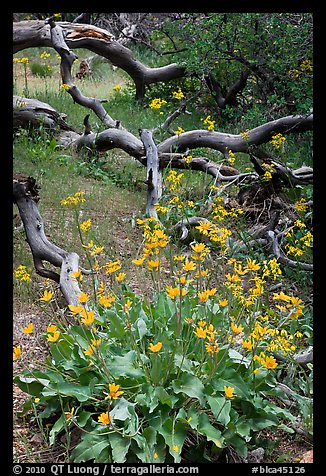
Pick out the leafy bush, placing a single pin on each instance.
(189, 372)
(41, 70)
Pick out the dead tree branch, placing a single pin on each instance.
(67, 59)
(34, 33)
(25, 195)
(154, 173)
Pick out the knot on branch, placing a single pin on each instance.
(25, 186)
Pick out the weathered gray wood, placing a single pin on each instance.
(236, 142)
(34, 33)
(33, 113)
(154, 173)
(25, 196)
(67, 59)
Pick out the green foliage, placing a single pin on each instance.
(41, 70)
(275, 48)
(153, 380)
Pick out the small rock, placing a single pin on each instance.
(307, 457)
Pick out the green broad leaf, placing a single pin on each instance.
(221, 409)
(119, 447)
(62, 349)
(259, 423)
(31, 385)
(184, 363)
(193, 417)
(190, 385)
(237, 443)
(123, 410)
(207, 429)
(174, 434)
(59, 425)
(117, 325)
(52, 406)
(125, 365)
(140, 448)
(231, 378)
(66, 389)
(164, 397)
(242, 427)
(83, 417)
(82, 336)
(93, 447)
(238, 358)
(286, 428)
(141, 327)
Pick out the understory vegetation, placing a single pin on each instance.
(186, 341)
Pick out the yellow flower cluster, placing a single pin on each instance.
(245, 134)
(17, 352)
(155, 241)
(305, 67)
(231, 157)
(92, 248)
(66, 87)
(21, 60)
(92, 347)
(209, 123)
(269, 362)
(301, 205)
(174, 180)
(277, 141)
(207, 331)
(255, 273)
(268, 174)
(187, 159)
(179, 131)
(178, 94)
(22, 274)
(161, 209)
(157, 103)
(73, 200)
(298, 246)
(220, 212)
(117, 88)
(86, 225)
(45, 55)
(292, 306)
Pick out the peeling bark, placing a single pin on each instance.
(35, 33)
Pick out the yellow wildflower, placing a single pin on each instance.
(114, 391)
(155, 347)
(86, 225)
(54, 337)
(28, 329)
(104, 418)
(87, 317)
(47, 296)
(17, 352)
(83, 297)
(229, 391)
(69, 414)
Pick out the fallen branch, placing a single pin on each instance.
(67, 59)
(282, 258)
(33, 113)
(154, 173)
(25, 195)
(34, 33)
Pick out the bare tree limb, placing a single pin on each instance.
(67, 59)
(154, 173)
(35, 33)
(25, 195)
